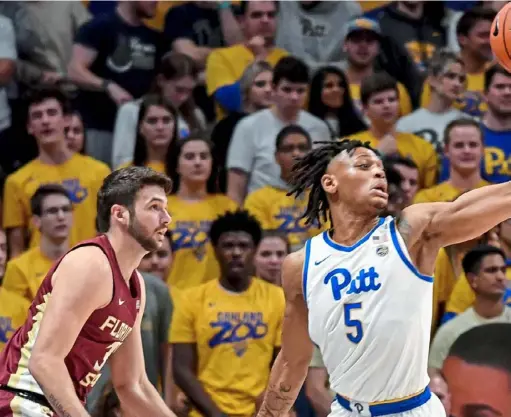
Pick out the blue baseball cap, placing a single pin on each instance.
(360, 24)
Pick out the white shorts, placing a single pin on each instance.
(432, 408)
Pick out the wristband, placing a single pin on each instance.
(223, 5)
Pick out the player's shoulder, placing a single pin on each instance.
(87, 258)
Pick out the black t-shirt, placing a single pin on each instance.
(198, 24)
(127, 55)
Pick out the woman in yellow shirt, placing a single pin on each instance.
(156, 134)
(193, 207)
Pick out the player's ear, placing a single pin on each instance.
(120, 214)
(329, 183)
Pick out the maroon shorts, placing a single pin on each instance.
(12, 404)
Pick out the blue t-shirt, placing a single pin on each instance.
(127, 55)
(496, 163)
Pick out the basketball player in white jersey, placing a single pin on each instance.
(362, 292)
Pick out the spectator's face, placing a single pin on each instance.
(260, 19)
(235, 254)
(477, 390)
(269, 257)
(3, 252)
(505, 232)
(383, 108)
(75, 133)
(157, 127)
(477, 43)
(490, 282)
(177, 91)
(290, 97)
(148, 220)
(293, 147)
(333, 91)
(158, 262)
(261, 91)
(498, 95)
(451, 83)
(56, 217)
(46, 122)
(145, 9)
(465, 149)
(439, 387)
(410, 183)
(397, 200)
(357, 179)
(195, 163)
(362, 47)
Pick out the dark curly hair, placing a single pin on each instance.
(235, 221)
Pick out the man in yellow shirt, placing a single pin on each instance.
(13, 308)
(52, 215)
(271, 206)
(362, 46)
(464, 148)
(380, 100)
(225, 66)
(226, 333)
(80, 175)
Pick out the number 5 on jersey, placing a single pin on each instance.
(357, 333)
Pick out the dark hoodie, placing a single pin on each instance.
(419, 36)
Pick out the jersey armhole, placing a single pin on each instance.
(305, 272)
(82, 245)
(402, 254)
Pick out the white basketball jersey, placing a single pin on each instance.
(369, 314)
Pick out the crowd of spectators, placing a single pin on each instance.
(223, 97)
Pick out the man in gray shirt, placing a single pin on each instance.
(447, 79)
(251, 156)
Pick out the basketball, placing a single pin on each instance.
(500, 37)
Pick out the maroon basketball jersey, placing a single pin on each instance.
(102, 334)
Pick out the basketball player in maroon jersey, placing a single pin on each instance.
(88, 310)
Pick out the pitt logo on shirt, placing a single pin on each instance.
(364, 282)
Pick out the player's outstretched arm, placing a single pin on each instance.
(292, 363)
(468, 217)
(81, 284)
(138, 397)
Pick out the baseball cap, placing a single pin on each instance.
(362, 23)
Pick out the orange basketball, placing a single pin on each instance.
(500, 37)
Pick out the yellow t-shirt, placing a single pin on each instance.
(225, 66)
(236, 335)
(277, 211)
(462, 295)
(25, 273)
(194, 260)
(13, 313)
(472, 101)
(413, 147)
(442, 192)
(82, 176)
(154, 165)
(405, 103)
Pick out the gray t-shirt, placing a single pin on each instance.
(7, 51)
(450, 331)
(154, 329)
(429, 125)
(315, 35)
(252, 148)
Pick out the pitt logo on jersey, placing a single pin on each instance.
(341, 279)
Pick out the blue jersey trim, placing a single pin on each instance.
(406, 261)
(305, 273)
(386, 408)
(342, 248)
